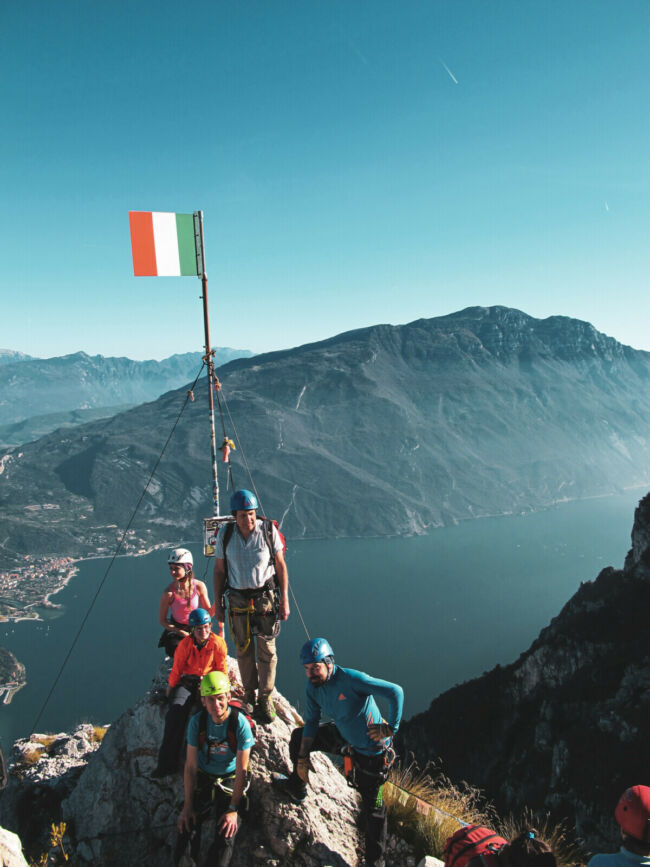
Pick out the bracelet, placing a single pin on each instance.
(232, 808)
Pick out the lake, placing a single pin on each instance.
(427, 612)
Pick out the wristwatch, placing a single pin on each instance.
(232, 808)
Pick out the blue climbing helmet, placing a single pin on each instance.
(199, 617)
(243, 500)
(316, 650)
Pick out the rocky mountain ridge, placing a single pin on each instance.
(563, 729)
(483, 412)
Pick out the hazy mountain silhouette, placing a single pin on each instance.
(42, 386)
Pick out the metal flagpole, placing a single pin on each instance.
(209, 354)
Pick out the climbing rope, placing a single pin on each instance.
(188, 397)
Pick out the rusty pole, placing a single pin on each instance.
(209, 354)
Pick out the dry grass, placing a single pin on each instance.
(98, 733)
(557, 835)
(429, 833)
(31, 755)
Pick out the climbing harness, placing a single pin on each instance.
(353, 767)
(254, 611)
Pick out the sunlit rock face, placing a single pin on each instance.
(563, 729)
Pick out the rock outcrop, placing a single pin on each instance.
(44, 769)
(116, 814)
(565, 728)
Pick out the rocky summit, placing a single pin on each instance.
(115, 814)
(564, 729)
(383, 431)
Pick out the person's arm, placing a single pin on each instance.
(282, 577)
(187, 816)
(219, 580)
(228, 822)
(220, 656)
(392, 692)
(163, 610)
(180, 658)
(204, 599)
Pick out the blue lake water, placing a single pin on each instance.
(427, 612)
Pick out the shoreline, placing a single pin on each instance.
(64, 569)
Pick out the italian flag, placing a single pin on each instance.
(163, 244)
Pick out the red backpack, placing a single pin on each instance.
(473, 841)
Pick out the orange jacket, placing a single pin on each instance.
(190, 659)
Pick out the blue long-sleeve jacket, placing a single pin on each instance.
(347, 698)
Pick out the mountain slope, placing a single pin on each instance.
(565, 727)
(385, 430)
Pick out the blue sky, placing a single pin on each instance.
(357, 162)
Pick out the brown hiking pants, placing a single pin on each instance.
(245, 620)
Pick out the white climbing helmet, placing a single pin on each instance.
(181, 556)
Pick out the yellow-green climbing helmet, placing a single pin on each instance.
(215, 683)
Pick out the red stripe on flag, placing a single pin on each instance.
(142, 244)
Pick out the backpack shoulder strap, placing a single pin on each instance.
(227, 536)
(203, 724)
(267, 527)
(231, 731)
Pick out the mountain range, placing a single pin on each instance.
(381, 431)
(47, 388)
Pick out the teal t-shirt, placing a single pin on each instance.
(216, 756)
(622, 858)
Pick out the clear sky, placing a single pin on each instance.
(357, 161)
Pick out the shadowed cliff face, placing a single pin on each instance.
(565, 728)
(386, 430)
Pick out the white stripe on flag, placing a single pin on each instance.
(166, 240)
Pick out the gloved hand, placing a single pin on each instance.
(379, 731)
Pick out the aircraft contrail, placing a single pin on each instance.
(448, 70)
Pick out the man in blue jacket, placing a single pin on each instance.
(357, 729)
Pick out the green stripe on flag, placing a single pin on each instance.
(186, 246)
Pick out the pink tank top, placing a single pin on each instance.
(180, 607)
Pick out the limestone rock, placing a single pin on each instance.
(11, 852)
(43, 770)
(118, 814)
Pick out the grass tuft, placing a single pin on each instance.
(429, 833)
(98, 733)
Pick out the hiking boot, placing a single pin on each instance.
(291, 786)
(248, 701)
(265, 710)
